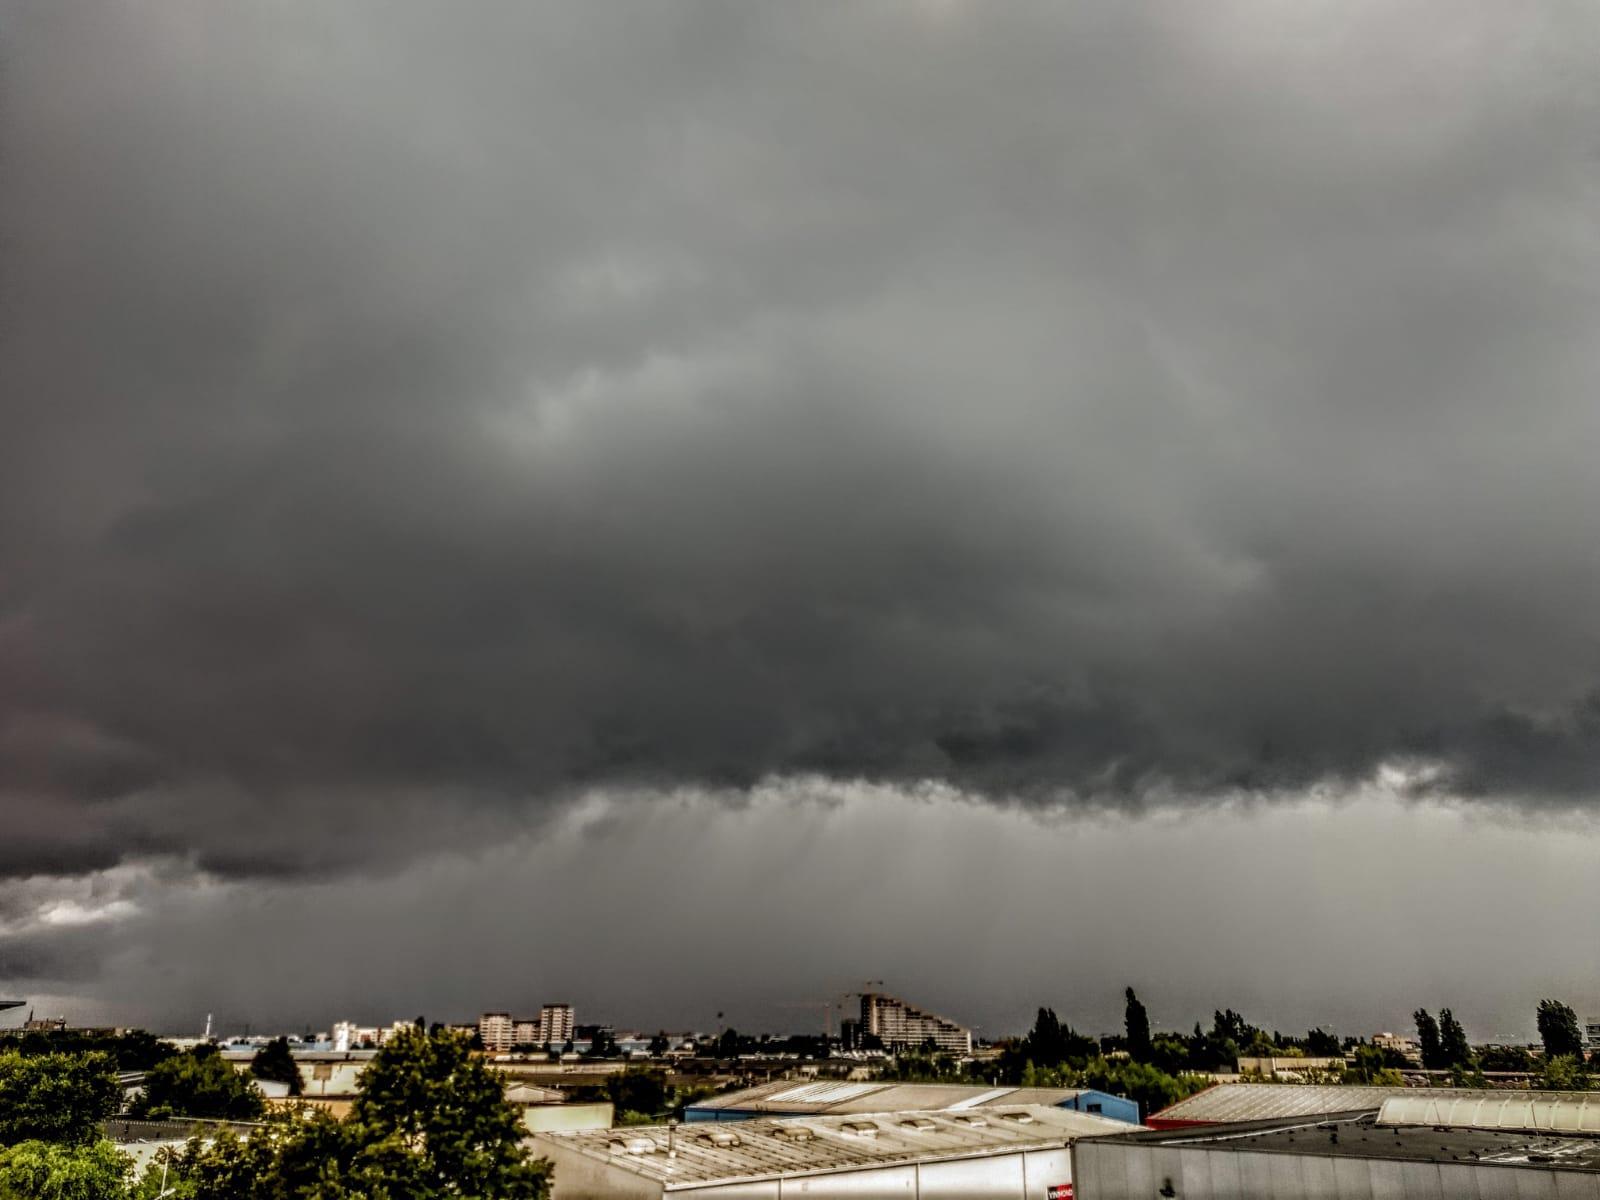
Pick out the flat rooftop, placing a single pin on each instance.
(768, 1148)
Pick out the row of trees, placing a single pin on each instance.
(1443, 1047)
(1442, 1044)
(430, 1121)
(190, 1083)
(1054, 1052)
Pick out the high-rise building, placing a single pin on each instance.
(556, 1024)
(496, 1031)
(901, 1026)
(347, 1035)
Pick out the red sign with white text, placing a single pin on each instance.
(1059, 1191)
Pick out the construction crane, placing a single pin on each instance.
(868, 987)
(828, 1006)
(825, 1005)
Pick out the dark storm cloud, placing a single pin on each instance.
(416, 413)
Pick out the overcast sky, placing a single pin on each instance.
(688, 507)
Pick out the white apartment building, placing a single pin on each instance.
(347, 1035)
(902, 1026)
(554, 1027)
(556, 1024)
(496, 1030)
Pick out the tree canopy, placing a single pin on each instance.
(430, 1123)
(55, 1097)
(59, 1171)
(274, 1061)
(1428, 1039)
(1136, 1023)
(199, 1083)
(1453, 1048)
(1559, 1030)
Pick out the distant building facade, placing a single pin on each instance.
(1400, 1045)
(556, 1024)
(553, 1027)
(496, 1030)
(901, 1026)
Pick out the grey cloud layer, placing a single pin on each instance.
(415, 412)
(652, 913)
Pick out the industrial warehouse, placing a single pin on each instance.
(1387, 1157)
(1012, 1153)
(1250, 1141)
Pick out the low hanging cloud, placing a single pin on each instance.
(417, 415)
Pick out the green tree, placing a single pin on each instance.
(1136, 1021)
(638, 1091)
(1563, 1073)
(54, 1171)
(433, 1095)
(1505, 1058)
(1559, 1030)
(1322, 1044)
(1230, 1035)
(1169, 1054)
(1049, 1044)
(275, 1062)
(1229, 1026)
(430, 1123)
(659, 1044)
(228, 1167)
(1428, 1039)
(55, 1097)
(199, 1083)
(1152, 1089)
(1454, 1052)
(134, 1050)
(1372, 1066)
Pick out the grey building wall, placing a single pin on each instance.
(1027, 1175)
(583, 1177)
(1108, 1170)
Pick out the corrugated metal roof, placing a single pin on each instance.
(833, 1098)
(1267, 1101)
(1526, 1112)
(770, 1147)
(1358, 1137)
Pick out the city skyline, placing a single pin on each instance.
(680, 507)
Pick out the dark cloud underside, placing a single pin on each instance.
(415, 413)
